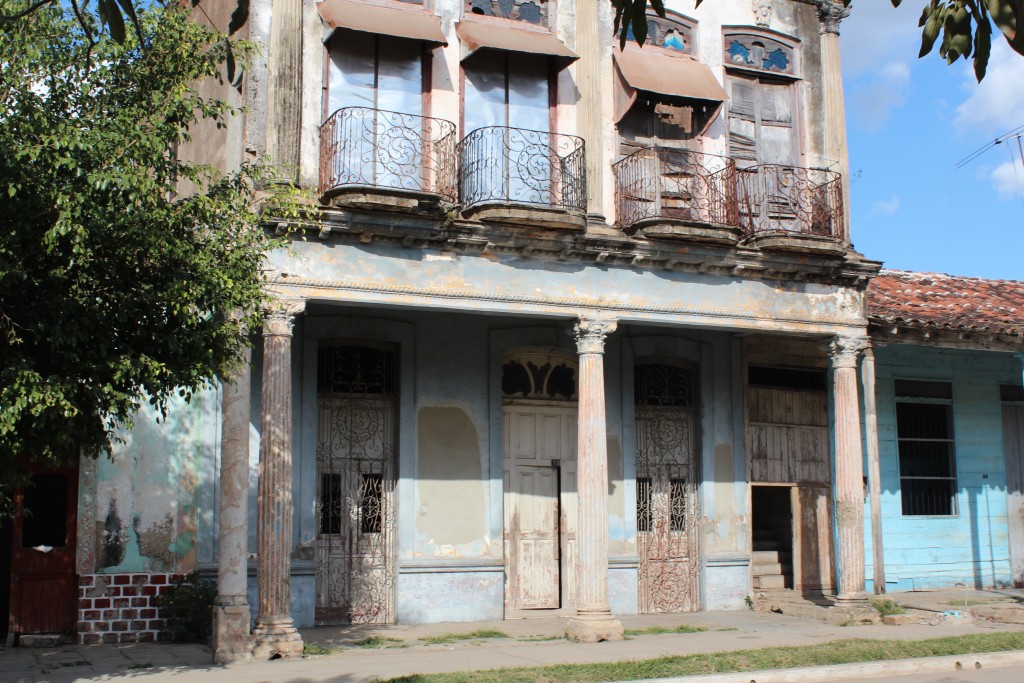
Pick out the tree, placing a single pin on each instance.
(965, 25)
(114, 288)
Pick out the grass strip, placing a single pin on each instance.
(834, 652)
(659, 630)
(472, 635)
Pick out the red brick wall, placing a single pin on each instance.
(119, 608)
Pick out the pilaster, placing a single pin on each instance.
(831, 14)
(593, 27)
(867, 374)
(285, 87)
(275, 634)
(593, 621)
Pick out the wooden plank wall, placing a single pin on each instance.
(788, 436)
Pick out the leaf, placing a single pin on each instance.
(129, 9)
(1008, 16)
(982, 50)
(639, 22)
(931, 29)
(115, 22)
(659, 7)
(239, 17)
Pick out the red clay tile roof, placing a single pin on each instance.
(946, 302)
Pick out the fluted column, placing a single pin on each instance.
(593, 70)
(849, 481)
(831, 14)
(593, 621)
(867, 378)
(275, 634)
(285, 92)
(231, 617)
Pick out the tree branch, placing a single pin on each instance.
(25, 12)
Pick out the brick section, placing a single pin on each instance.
(120, 608)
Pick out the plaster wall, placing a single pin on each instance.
(970, 546)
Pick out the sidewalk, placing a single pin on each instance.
(530, 642)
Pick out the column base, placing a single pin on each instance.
(852, 608)
(593, 628)
(231, 631)
(276, 639)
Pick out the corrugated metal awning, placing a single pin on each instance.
(659, 71)
(479, 36)
(389, 21)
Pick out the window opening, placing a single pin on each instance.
(643, 504)
(529, 11)
(330, 503)
(924, 428)
(786, 378)
(355, 370)
(539, 376)
(662, 384)
(371, 495)
(45, 516)
(677, 500)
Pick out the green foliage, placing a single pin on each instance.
(472, 635)
(187, 609)
(120, 282)
(965, 25)
(886, 607)
(310, 649)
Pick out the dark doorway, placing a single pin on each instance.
(772, 559)
(40, 555)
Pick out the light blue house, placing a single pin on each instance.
(949, 409)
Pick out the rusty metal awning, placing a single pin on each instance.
(479, 37)
(389, 21)
(659, 71)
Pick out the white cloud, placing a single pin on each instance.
(996, 105)
(886, 207)
(877, 33)
(873, 100)
(1008, 179)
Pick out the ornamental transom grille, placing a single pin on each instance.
(661, 384)
(538, 375)
(355, 370)
(753, 51)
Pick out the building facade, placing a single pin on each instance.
(575, 330)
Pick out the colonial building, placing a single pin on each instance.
(574, 331)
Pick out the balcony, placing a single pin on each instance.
(792, 209)
(386, 159)
(524, 177)
(677, 193)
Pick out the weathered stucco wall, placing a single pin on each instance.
(149, 495)
(970, 546)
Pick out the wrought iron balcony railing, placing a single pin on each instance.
(516, 166)
(659, 183)
(372, 148)
(775, 199)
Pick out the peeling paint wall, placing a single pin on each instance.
(148, 493)
(971, 546)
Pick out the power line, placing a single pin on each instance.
(1016, 132)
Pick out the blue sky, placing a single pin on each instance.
(909, 122)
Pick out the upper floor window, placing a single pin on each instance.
(672, 33)
(530, 11)
(375, 71)
(754, 51)
(924, 431)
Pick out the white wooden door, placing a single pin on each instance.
(540, 506)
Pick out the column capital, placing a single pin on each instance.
(279, 316)
(844, 350)
(830, 14)
(590, 333)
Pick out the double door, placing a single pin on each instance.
(540, 508)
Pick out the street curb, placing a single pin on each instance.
(835, 672)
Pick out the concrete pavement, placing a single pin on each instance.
(408, 649)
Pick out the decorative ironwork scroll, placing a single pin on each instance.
(356, 476)
(666, 463)
(530, 11)
(776, 199)
(513, 165)
(759, 52)
(675, 184)
(373, 148)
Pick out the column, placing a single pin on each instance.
(285, 88)
(867, 378)
(593, 621)
(275, 634)
(231, 608)
(849, 479)
(593, 70)
(831, 14)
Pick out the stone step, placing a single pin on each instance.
(770, 581)
(766, 568)
(764, 556)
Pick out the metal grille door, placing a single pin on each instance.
(665, 488)
(355, 501)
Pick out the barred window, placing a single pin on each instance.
(643, 504)
(927, 458)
